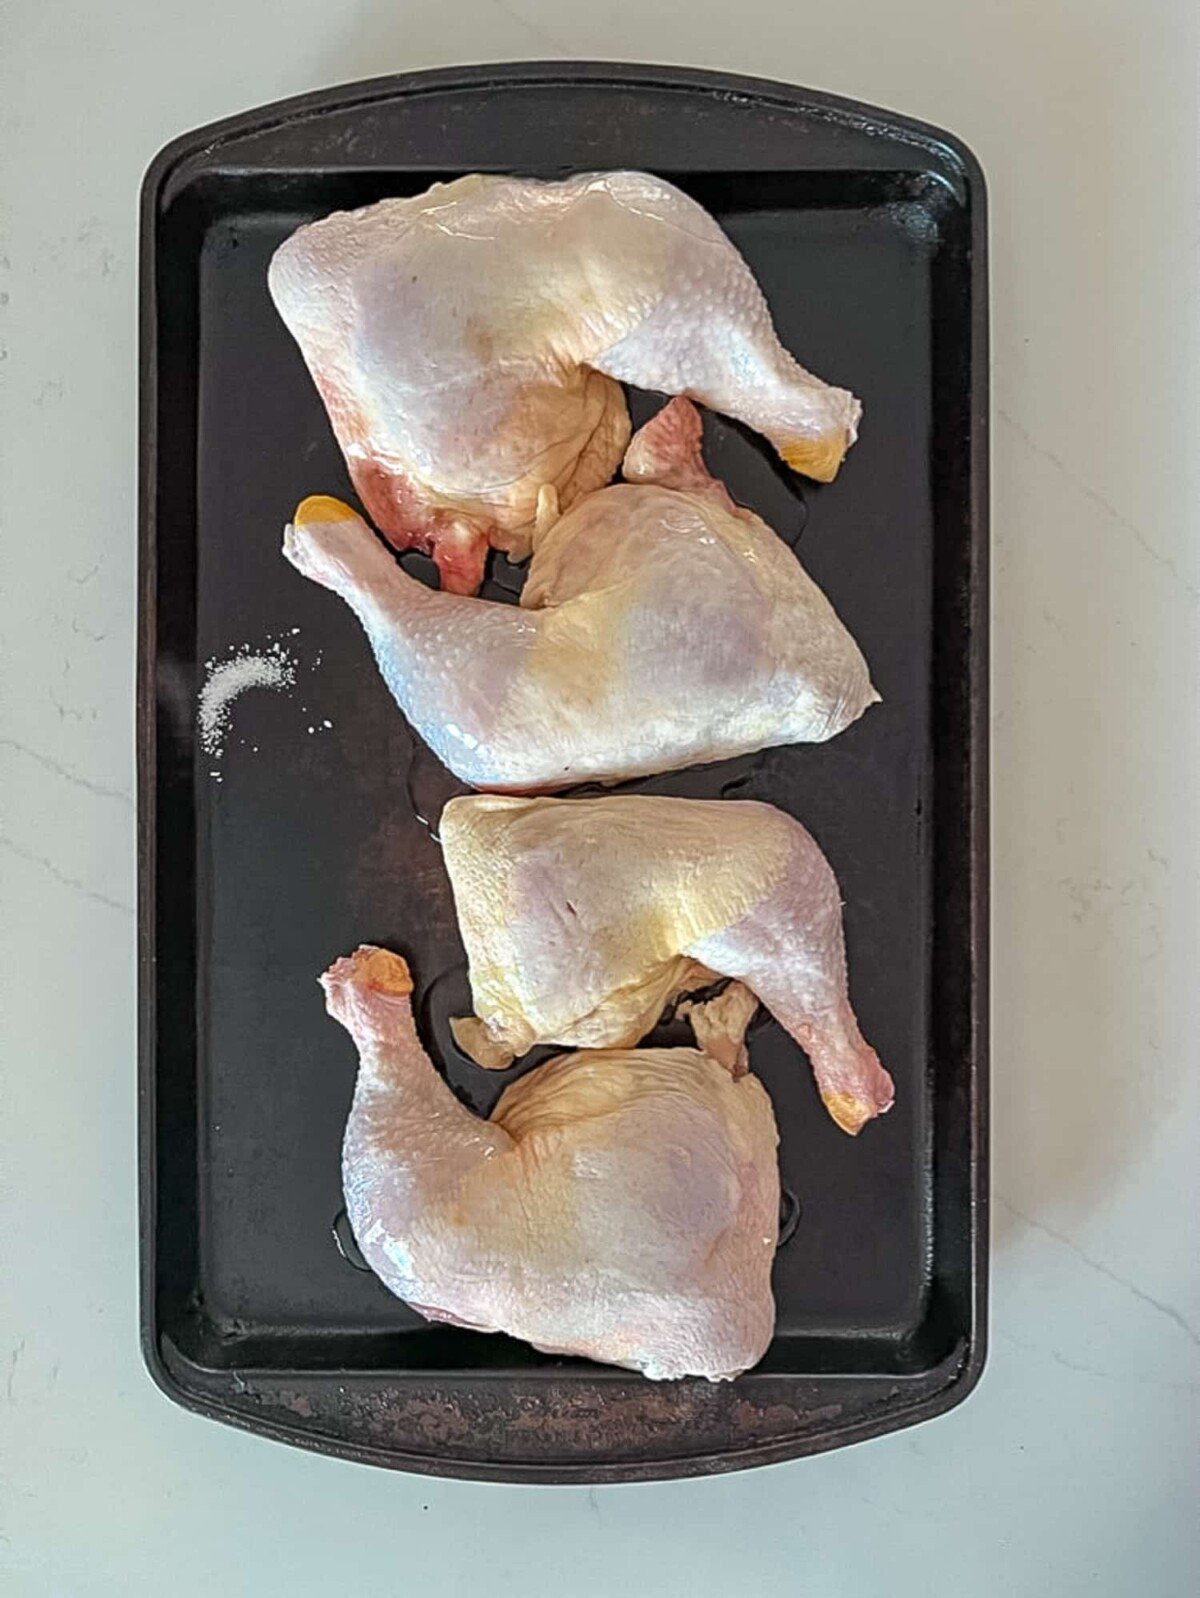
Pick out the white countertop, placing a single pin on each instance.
(1073, 1468)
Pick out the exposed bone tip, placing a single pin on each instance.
(372, 969)
(850, 1113)
(321, 508)
(818, 458)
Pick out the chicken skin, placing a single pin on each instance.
(618, 1205)
(469, 344)
(582, 918)
(660, 626)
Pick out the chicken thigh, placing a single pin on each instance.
(660, 626)
(582, 918)
(622, 1206)
(469, 344)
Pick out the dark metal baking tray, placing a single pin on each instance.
(867, 232)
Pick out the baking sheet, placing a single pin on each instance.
(303, 839)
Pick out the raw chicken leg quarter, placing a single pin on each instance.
(470, 342)
(582, 918)
(660, 626)
(622, 1206)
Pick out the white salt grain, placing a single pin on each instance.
(273, 668)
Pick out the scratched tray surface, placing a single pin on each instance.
(315, 830)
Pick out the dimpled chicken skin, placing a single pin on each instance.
(621, 1206)
(469, 344)
(660, 626)
(582, 918)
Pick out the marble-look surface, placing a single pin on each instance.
(1073, 1469)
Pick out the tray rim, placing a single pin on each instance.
(933, 1391)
